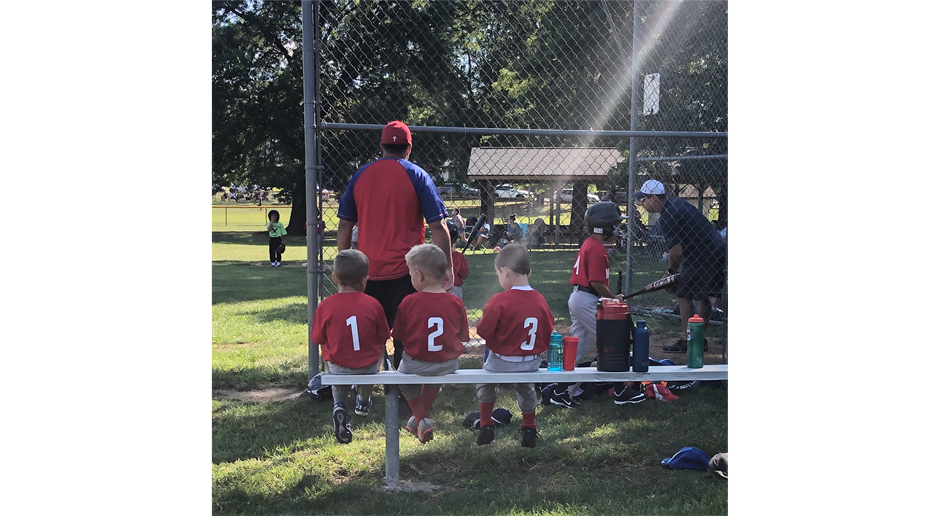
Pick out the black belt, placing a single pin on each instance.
(589, 290)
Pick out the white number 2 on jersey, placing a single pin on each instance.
(355, 331)
(432, 322)
(533, 325)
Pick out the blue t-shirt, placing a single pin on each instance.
(684, 224)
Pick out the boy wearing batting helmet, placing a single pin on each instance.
(590, 277)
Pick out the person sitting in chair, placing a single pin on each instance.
(513, 230)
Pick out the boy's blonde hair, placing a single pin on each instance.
(429, 259)
(514, 257)
(350, 267)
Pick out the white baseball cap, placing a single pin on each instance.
(650, 187)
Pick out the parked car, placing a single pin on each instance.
(457, 190)
(568, 193)
(508, 192)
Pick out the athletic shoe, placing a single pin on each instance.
(412, 426)
(272, 264)
(678, 347)
(425, 430)
(557, 397)
(341, 424)
(628, 394)
(362, 407)
(278, 264)
(528, 436)
(660, 392)
(487, 434)
(679, 385)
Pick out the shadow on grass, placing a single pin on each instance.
(234, 282)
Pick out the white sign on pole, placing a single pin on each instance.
(651, 94)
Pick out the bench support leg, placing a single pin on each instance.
(391, 436)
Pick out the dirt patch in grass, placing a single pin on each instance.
(263, 395)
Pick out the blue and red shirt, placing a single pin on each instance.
(390, 199)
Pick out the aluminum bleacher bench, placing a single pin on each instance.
(473, 376)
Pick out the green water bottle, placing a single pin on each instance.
(695, 342)
(554, 352)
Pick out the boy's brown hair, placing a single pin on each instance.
(514, 257)
(350, 267)
(429, 259)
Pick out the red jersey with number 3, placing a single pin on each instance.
(517, 322)
(432, 326)
(351, 329)
(591, 265)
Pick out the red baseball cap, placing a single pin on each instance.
(396, 133)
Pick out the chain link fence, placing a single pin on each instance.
(535, 108)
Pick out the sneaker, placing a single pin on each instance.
(678, 347)
(559, 397)
(277, 264)
(425, 430)
(341, 424)
(528, 436)
(412, 426)
(628, 394)
(272, 264)
(660, 392)
(679, 385)
(362, 407)
(487, 434)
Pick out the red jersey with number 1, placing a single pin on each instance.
(517, 322)
(351, 329)
(592, 264)
(432, 326)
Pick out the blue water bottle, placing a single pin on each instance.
(641, 347)
(554, 352)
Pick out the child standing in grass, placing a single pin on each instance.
(276, 231)
(350, 327)
(432, 325)
(517, 325)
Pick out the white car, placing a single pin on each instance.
(567, 194)
(508, 192)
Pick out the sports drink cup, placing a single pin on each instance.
(569, 352)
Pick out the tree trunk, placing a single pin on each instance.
(298, 213)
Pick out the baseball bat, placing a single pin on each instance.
(474, 231)
(656, 285)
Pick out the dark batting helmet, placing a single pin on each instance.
(601, 218)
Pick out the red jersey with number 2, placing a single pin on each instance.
(517, 322)
(432, 326)
(351, 329)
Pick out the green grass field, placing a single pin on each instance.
(281, 457)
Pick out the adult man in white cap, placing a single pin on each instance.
(695, 245)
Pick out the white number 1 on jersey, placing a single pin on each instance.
(355, 331)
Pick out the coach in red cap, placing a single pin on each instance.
(390, 199)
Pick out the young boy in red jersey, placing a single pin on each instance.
(590, 277)
(351, 329)
(432, 325)
(517, 325)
